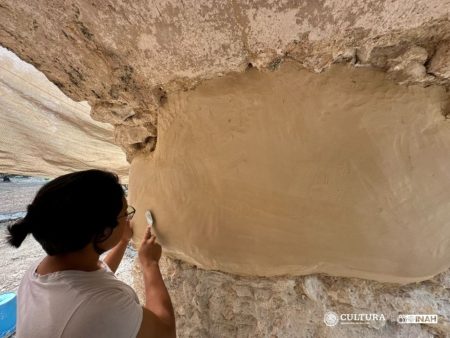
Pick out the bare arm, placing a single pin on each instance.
(115, 255)
(159, 317)
(157, 297)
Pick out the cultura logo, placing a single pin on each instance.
(330, 318)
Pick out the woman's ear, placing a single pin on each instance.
(106, 233)
(100, 239)
(103, 236)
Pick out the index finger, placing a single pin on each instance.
(152, 239)
(148, 233)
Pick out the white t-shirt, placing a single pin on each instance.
(76, 304)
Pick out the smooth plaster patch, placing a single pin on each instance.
(290, 172)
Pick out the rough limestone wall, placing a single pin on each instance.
(214, 304)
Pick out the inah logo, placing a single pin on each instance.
(418, 319)
(330, 318)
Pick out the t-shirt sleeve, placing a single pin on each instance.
(112, 313)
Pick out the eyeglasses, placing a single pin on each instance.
(130, 213)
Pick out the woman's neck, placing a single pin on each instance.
(84, 260)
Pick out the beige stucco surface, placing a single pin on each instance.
(292, 172)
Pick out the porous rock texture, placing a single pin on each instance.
(216, 304)
(132, 61)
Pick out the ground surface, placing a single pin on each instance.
(16, 195)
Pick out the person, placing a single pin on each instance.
(71, 292)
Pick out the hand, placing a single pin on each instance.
(127, 232)
(150, 251)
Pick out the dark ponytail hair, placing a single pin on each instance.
(19, 230)
(71, 211)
